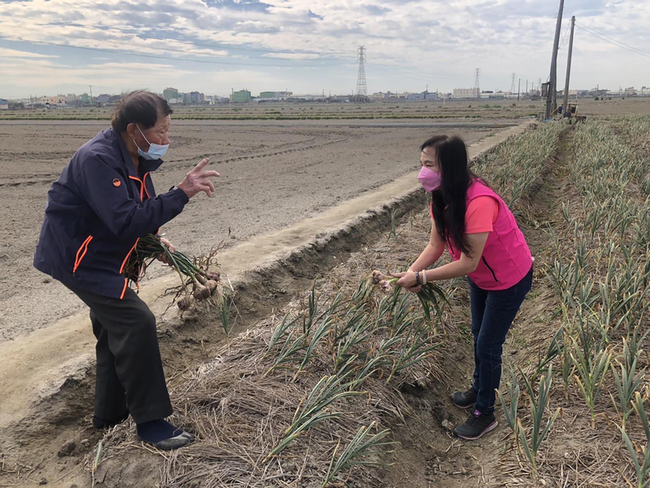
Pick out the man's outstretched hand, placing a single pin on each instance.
(198, 180)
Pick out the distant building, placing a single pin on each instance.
(466, 93)
(215, 99)
(4, 104)
(425, 95)
(387, 96)
(56, 101)
(104, 98)
(241, 96)
(196, 98)
(84, 98)
(630, 91)
(275, 95)
(170, 93)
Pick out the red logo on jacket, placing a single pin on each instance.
(117, 182)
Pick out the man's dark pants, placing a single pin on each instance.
(492, 315)
(130, 377)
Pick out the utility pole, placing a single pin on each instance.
(565, 105)
(551, 97)
(526, 87)
(91, 94)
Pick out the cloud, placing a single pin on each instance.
(292, 55)
(375, 10)
(32, 71)
(239, 5)
(312, 15)
(14, 53)
(423, 41)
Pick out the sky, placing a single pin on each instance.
(310, 46)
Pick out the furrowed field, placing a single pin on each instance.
(340, 383)
(272, 176)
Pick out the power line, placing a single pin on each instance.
(611, 38)
(615, 42)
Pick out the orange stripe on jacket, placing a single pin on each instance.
(144, 178)
(84, 247)
(126, 282)
(127, 256)
(141, 186)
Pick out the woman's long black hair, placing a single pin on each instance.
(448, 203)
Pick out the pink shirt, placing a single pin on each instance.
(481, 214)
(506, 258)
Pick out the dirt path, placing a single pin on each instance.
(45, 375)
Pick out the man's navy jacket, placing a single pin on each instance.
(96, 212)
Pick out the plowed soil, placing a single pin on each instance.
(272, 175)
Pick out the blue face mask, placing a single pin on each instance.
(156, 151)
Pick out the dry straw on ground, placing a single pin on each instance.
(241, 407)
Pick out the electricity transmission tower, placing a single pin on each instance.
(512, 85)
(477, 79)
(362, 89)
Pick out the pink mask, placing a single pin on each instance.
(429, 179)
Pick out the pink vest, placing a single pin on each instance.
(506, 258)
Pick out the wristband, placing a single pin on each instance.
(424, 277)
(417, 278)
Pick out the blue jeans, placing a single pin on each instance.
(492, 316)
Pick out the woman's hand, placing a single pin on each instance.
(198, 180)
(407, 280)
(163, 257)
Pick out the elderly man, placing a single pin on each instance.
(101, 204)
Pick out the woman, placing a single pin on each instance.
(487, 246)
(101, 204)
